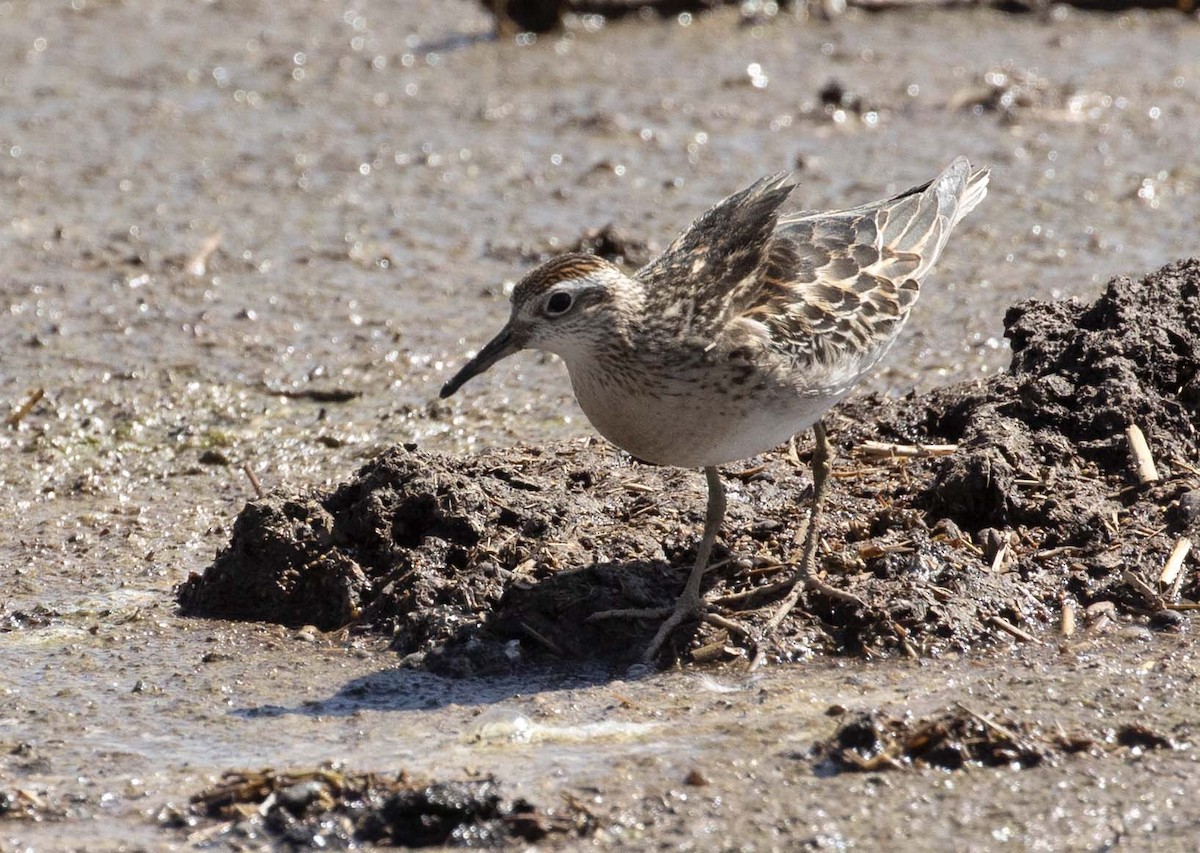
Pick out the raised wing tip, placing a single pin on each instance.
(965, 186)
(778, 182)
(961, 168)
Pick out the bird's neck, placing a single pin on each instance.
(628, 306)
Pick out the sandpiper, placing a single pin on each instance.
(745, 331)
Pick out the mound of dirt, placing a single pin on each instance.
(1030, 506)
(1080, 376)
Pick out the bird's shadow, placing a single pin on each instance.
(404, 689)
(458, 41)
(537, 636)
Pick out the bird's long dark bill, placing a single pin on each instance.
(504, 344)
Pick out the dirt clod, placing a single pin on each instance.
(950, 741)
(614, 245)
(323, 808)
(960, 737)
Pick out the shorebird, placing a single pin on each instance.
(745, 331)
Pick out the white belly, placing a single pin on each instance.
(693, 431)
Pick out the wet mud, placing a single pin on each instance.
(243, 245)
(476, 565)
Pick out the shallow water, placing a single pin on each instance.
(375, 175)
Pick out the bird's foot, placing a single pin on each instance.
(686, 608)
(800, 584)
(690, 605)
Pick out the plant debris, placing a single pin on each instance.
(958, 738)
(326, 808)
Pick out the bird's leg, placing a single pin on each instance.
(689, 604)
(805, 577)
(822, 464)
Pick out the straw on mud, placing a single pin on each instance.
(1172, 572)
(873, 550)
(1173, 593)
(792, 455)
(1099, 611)
(747, 474)
(721, 622)
(258, 490)
(714, 651)
(987, 722)
(637, 486)
(891, 449)
(1000, 558)
(543, 639)
(1060, 551)
(902, 635)
(1009, 628)
(32, 400)
(1185, 465)
(1144, 589)
(197, 265)
(1143, 460)
(1067, 626)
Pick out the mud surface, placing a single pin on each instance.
(259, 237)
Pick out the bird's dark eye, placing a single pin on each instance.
(558, 303)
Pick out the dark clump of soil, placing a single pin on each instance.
(479, 564)
(454, 557)
(607, 241)
(959, 738)
(614, 245)
(18, 620)
(328, 809)
(543, 16)
(950, 741)
(1081, 375)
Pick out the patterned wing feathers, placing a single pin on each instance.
(722, 248)
(841, 283)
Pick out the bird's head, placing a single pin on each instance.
(572, 306)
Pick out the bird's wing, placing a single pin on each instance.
(717, 253)
(841, 283)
